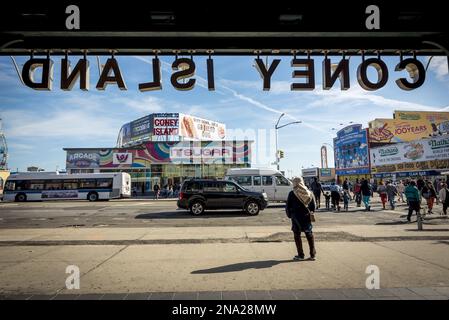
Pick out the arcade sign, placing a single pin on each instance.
(184, 69)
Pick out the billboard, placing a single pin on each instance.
(165, 124)
(351, 151)
(424, 154)
(200, 129)
(307, 173)
(83, 159)
(170, 152)
(408, 126)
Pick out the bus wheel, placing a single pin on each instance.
(21, 197)
(92, 196)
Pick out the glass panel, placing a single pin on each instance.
(193, 187)
(53, 185)
(281, 181)
(243, 180)
(256, 180)
(10, 186)
(229, 187)
(87, 184)
(267, 180)
(104, 183)
(213, 187)
(37, 185)
(70, 185)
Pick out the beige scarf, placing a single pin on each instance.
(301, 191)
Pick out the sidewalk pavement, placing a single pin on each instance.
(194, 260)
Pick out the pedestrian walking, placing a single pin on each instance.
(444, 197)
(413, 199)
(428, 192)
(156, 190)
(327, 197)
(317, 189)
(300, 208)
(382, 190)
(366, 192)
(391, 194)
(134, 193)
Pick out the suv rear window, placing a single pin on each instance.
(214, 186)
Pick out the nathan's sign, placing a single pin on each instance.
(184, 69)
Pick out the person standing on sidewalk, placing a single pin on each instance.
(392, 192)
(382, 190)
(429, 193)
(300, 207)
(413, 198)
(156, 190)
(365, 189)
(400, 188)
(317, 189)
(444, 197)
(357, 195)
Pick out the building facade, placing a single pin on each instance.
(164, 163)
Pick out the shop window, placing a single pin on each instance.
(267, 180)
(256, 180)
(281, 181)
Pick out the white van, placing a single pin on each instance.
(270, 181)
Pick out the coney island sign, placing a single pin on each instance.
(183, 75)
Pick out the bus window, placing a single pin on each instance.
(267, 180)
(37, 184)
(70, 185)
(22, 185)
(256, 180)
(53, 185)
(10, 186)
(104, 183)
(87, 184)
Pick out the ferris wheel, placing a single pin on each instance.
(3, 148)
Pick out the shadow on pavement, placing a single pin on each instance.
(245, 266)
(428, 230)
(392, 223)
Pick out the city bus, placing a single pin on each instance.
(56, 186)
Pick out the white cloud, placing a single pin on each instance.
(439, 66)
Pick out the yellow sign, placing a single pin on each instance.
(393, 131)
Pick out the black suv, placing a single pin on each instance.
(200, 194)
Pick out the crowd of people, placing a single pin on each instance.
(409, 191)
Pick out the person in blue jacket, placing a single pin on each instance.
(413, 198)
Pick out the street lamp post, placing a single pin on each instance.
(276, 127)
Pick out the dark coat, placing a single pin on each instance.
(365, 189)
(297, 210)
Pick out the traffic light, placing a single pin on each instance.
(281, 154)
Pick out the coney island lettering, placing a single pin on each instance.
(184, 69)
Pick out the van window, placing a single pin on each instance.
(281, 181)
(267, 180)
(256, 180)
(243, 180)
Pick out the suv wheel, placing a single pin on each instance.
(197, 208)
(252, 208)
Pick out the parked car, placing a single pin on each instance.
(198, 195)
(272, 182)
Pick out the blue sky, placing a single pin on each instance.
(38, 124)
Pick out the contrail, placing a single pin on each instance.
(167, 67)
